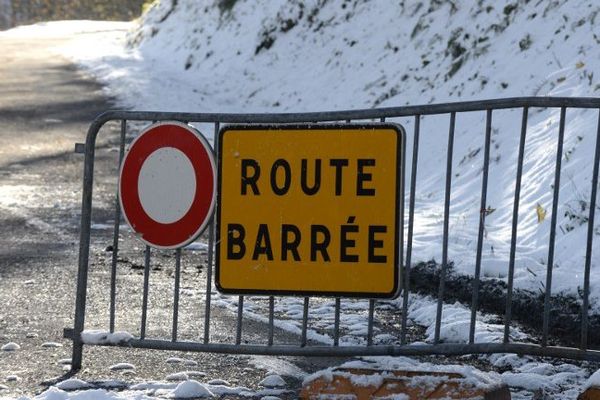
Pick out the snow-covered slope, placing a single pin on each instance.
(315, 55)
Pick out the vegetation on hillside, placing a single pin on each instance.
(19, 12)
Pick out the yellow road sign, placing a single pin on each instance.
(310, 210)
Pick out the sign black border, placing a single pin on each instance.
(398, 253)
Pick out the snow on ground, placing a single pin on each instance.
(80, 389)
(122, 366)
(525, 375)
(456, 319)
(272, 381)
(191, 389)
(277, 365)
(10, 346)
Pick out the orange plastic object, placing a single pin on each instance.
(592, 393)
(415, 385)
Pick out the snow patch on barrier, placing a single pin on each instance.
(105, 337)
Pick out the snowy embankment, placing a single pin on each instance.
(314, 55)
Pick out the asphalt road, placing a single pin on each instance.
(45, 107)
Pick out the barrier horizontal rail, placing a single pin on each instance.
(304, 348)
(371, 113)
(454, 349)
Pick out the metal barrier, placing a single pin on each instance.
(304, 348)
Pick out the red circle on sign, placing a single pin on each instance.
(185, 139)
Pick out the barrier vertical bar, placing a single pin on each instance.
(211, 246)
(515, 223)
(370, 322)
(115, 247)
(145, 295)
(304, 321)
(411, 220)
(271, 319)
(590, 239)
(482, 215)
(176, 294)
(336, 322)
(440, 302)
(240, 310)
(84, 246)
(550, 266)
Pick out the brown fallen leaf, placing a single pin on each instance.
(541, 213)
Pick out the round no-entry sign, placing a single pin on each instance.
(167, 184)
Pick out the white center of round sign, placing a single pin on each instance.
(167, 185)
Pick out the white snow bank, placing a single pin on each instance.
(177, 376)
(122, 366)
(49, 345)
(218, 381)
(272, 381)
(190, 389)
(197, 246)
(73, 384)
(283, 367)
(456, 322)
(185, 375)
(225, 390)
(528, 381)
(593, 381)
(55, 393)
(105, 337)
(153, 386)
(10, 346)
(80, 390)
(101, 226)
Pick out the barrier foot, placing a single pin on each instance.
(77, 357)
